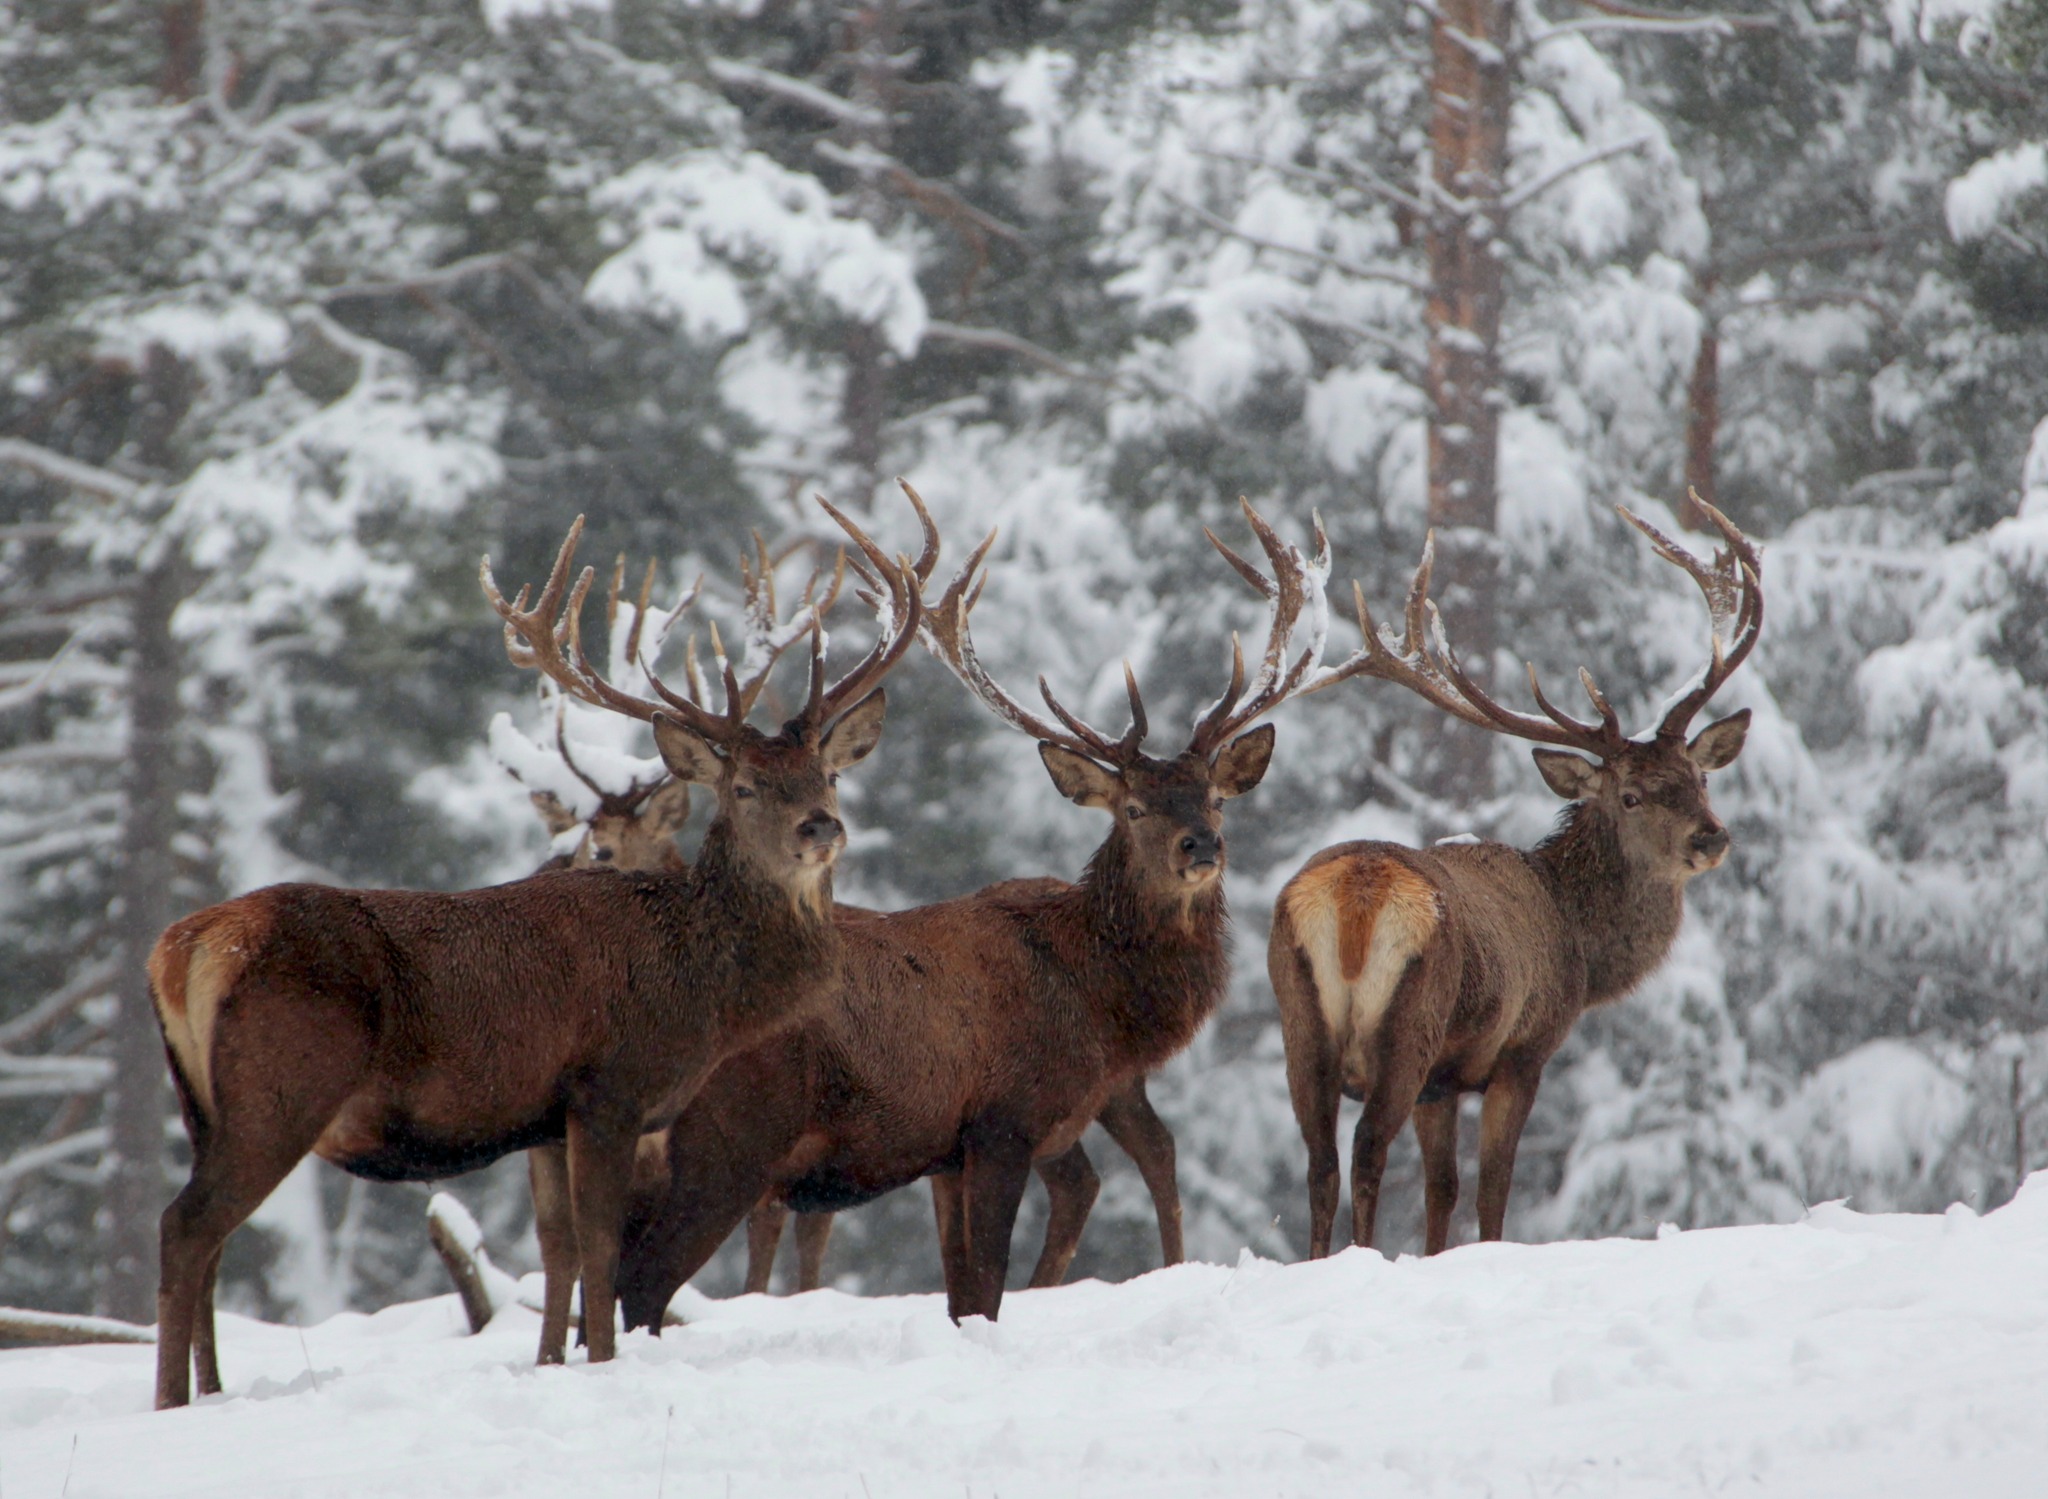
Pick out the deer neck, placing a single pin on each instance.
(1620, 916)
(1159, 967)
(779, 928)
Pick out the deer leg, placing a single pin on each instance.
(764, 1237)
(949, 1210)
(1436, 1130)
(554, 1224)
(717, 1176)
(1313, 1082)
(1510, 1094)
(250, 1141)
(813, 1233)
(205, 1355)
(226, 1187)
(1397, 1083)
(1131, 1122)
(1072, 1186)
(600, 1175)
(998, 1163)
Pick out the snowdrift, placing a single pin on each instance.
(1845, 1355)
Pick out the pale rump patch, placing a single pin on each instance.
(1361, 921)
(191, 969)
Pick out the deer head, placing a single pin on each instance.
(778, 806)
(1653, 787)
(1167, 814)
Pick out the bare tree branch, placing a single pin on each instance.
(46, 1012)
(1353, 176)
(1335, 262)
(1535, 188)
(37, 1157)
(86, 478)
(796, 91)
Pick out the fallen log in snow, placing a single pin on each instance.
(484, 1288)
(20, 1325)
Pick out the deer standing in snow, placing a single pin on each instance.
(1406, 977)
(974, 1037)
(409, 1035)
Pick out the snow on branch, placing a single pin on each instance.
(1535, 188)
(1222, 225)
(37, 1157)
(1353, 176)
(54, 1007)
(796, 91)
(20, 1325)
(1637, 13)
(934, 197)
(484, 1288)
(86, 478)
(1011, 343)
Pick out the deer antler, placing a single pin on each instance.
(899, 621)
(548, 637)
(1295, 589)
(947, 636)
(1424, 662)
(1734, 590)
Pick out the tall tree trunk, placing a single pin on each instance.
(1469, 98)
(1702, 416)
(135, 1183)
(872, 38)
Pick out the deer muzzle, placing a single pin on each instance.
(1709, 846)
(1202, 853)
(819, 838)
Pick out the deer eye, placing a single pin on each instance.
(832, 779)
(1133, 811)
(744, 793)
(1630, 800)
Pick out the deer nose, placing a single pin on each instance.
(601, 854)
(1202, 848)
(820, 827)
(1711, 840)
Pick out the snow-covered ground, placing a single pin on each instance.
(1845, 1355)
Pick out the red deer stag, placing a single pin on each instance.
(639, 807)
(1406, 977)
(635, 830)
(973, 1037)
(408, 1035)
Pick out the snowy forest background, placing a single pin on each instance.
(304, 304)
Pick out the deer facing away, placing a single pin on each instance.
(971, 1038)
(408, 1035)
(1406, 977)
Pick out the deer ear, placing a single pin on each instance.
(1241, 764)
(687, 754)
(1719, 743)
(854, 737)
(668, 809)
(559, 819)
(1079, 778)
(1572, 777)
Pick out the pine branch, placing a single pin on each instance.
(796, 91)
(1366, 180)
(1511, 201)
(935, 197)
(1334, 262)
(38, 1157)
(86, 478)
(1011, 343)
(54, 1007)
